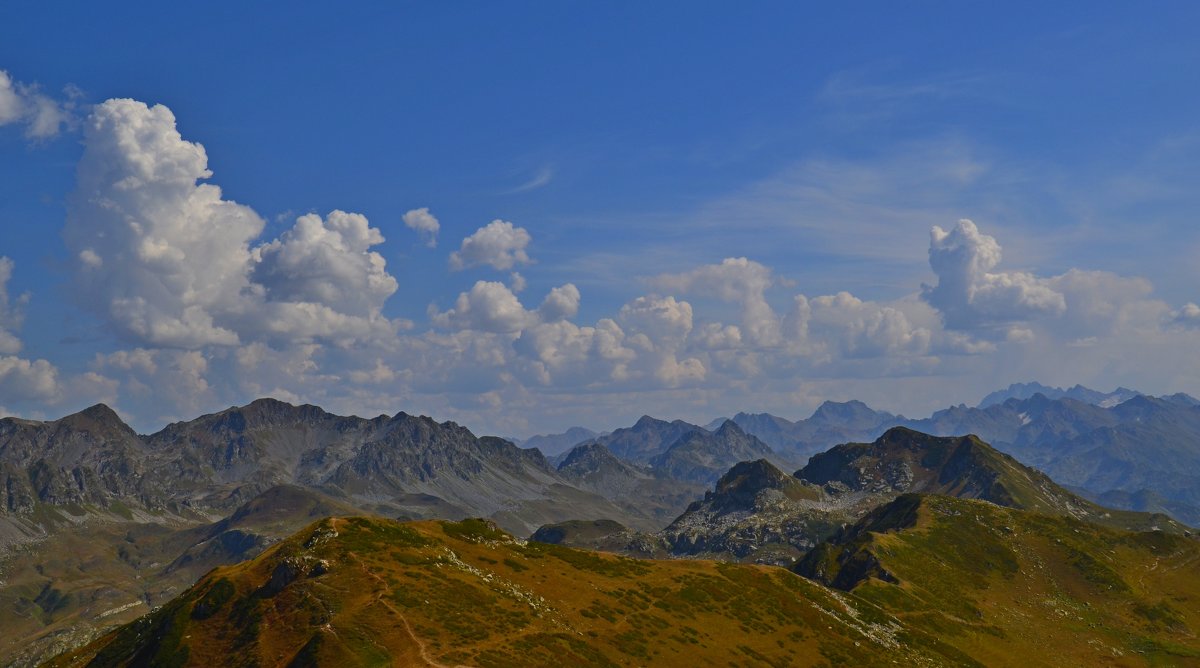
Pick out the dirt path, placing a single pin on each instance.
(422, 648)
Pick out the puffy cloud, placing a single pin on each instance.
(499, 245)
(488, 306)
(491, 306)
(715, 336)
(562, 353)
(11, 311)
(168, 262)
(23, 380)
(162, 254)
(659, 326)
(673, 372)
(1102, 303)
(424, 223)
(166, 384)
(377, 375)
(326, 262)
(865, 329)
(658, 320)
(292, 373)
(970, 295)
(1188, 316)
(736, 280)
(24, 104)
(560, 304)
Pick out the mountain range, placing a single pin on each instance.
(100, 525)
(758, 513)
(1129, 450)
(98, 522)
(1122, 448)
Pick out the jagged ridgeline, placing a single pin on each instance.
(91, 463)
(99, 523)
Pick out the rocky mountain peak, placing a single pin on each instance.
(647, 422)
(751, 477)
(97, 417)
(729, 428)
(589, 457)
(835, 410)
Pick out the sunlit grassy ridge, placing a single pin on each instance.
(1011, 587)
(374, 592)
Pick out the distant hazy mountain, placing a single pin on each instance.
(646, 439)
(1132, 451)
(1144, 448)
(832, 423)
(657, 467)
(556, 444)
(683, 451)
(639, 489)
(702, 456)
(1078, 393)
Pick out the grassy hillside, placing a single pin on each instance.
(1011, 587)
(65, 590)
(376, 592)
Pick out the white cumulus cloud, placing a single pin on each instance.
(499, 244)
(488, 306)
(326, 262)
(23, 380)
(166, 261)
(166, 254)
(658, 328)
(562, 303)
(736, 280)
(11, 311)
(969, 294)
(1188, 316)
(424, 223)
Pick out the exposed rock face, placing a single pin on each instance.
(86, 458)
(398, 465)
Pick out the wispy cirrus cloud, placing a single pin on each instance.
(540, 179)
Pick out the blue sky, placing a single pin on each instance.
(633, 149)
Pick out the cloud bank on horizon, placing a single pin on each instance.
(204, 310)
